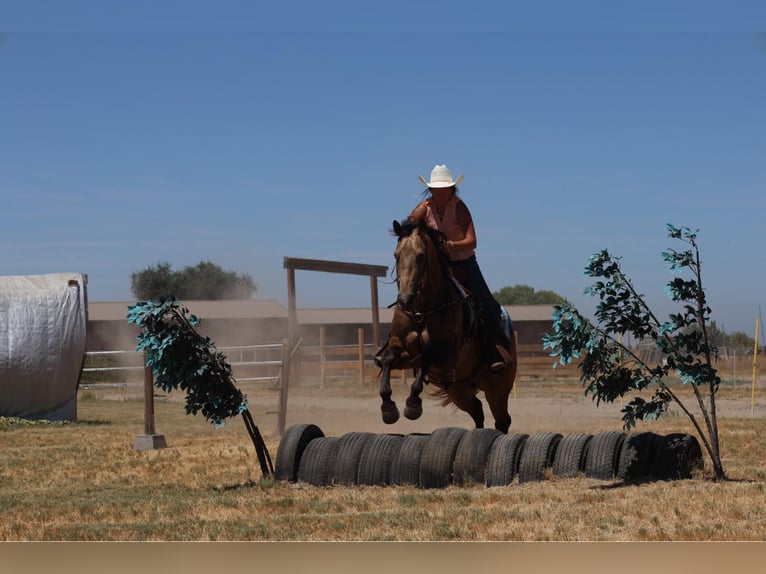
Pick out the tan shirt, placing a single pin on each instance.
(448, 224)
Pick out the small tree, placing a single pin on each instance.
(610, 370)
(181, 358)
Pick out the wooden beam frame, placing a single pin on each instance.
(292, 264)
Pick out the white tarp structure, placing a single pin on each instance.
(42, 344)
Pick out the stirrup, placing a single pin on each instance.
(498, 367)
(505, 360)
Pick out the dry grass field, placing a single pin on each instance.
(85, 481)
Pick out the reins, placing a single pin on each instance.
(420, 317)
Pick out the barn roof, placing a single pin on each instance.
(341, 316)
(228, 309)
(273, 309)
(530, 312)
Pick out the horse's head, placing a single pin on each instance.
(418, 254)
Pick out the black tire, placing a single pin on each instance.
(470, 464)
(438, 457)
(291, 449)
(317, 461)
(537, 456)
(504, 457)
(637, 456)
(405, 468)
(679, 455)
(570, 455)
(376, 459)
(604, 454)
(346, 466)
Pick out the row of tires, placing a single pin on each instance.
(480, 456)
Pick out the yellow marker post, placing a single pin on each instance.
(619, 341)
(755, 367)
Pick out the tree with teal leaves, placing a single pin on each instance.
(181, 358)
(609, 369)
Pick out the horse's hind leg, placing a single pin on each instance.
(388, 410)
(414, 407)
(466, 400)
(497, 398)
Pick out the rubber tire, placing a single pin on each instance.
(317, 461)
(438, 458)
(405, 468)
(504, 457)
(677, 457)
(346, 466)
(637, 455)
(291, 449)
(570, 455)
(376, 459)
(604, 454)
(538, 455)
(471, 457)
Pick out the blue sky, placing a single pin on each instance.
(243, 135)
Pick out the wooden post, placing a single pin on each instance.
(292, 316)
(292, 323)
(282, 414)
(322, 356)
(360, 341)
(150, 440)
(375, 312)
(148, 399)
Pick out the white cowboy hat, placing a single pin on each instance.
(441, 176)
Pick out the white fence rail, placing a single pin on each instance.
(249, 363)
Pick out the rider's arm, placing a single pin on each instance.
(465, 221)
(419, 213)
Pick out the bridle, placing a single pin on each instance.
(419, 317)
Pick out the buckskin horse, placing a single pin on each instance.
(436, 331)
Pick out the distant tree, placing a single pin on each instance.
(717, 336)
(526, 295)
(736, 340)
(740, 340)
(206, 281)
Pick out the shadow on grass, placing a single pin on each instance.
(94, 423)
(650, 479)
(10, 423)
(248, 484)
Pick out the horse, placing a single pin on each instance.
(436, 331)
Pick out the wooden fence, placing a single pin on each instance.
(330, 362)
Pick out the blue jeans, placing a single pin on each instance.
(467, 272)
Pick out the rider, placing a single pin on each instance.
(445, 211)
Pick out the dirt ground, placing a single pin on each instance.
(535, 406)
(531, 411)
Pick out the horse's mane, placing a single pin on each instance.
(409, 225)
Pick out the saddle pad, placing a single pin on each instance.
(505, 321)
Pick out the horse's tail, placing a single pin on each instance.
(440, 394)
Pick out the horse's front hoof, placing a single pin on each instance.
(503, 426)
(414, 409)
(389, 412)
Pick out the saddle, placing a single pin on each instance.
(493, 348)
(465, 300)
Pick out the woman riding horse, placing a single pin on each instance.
(434, 328)
(446, 212)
